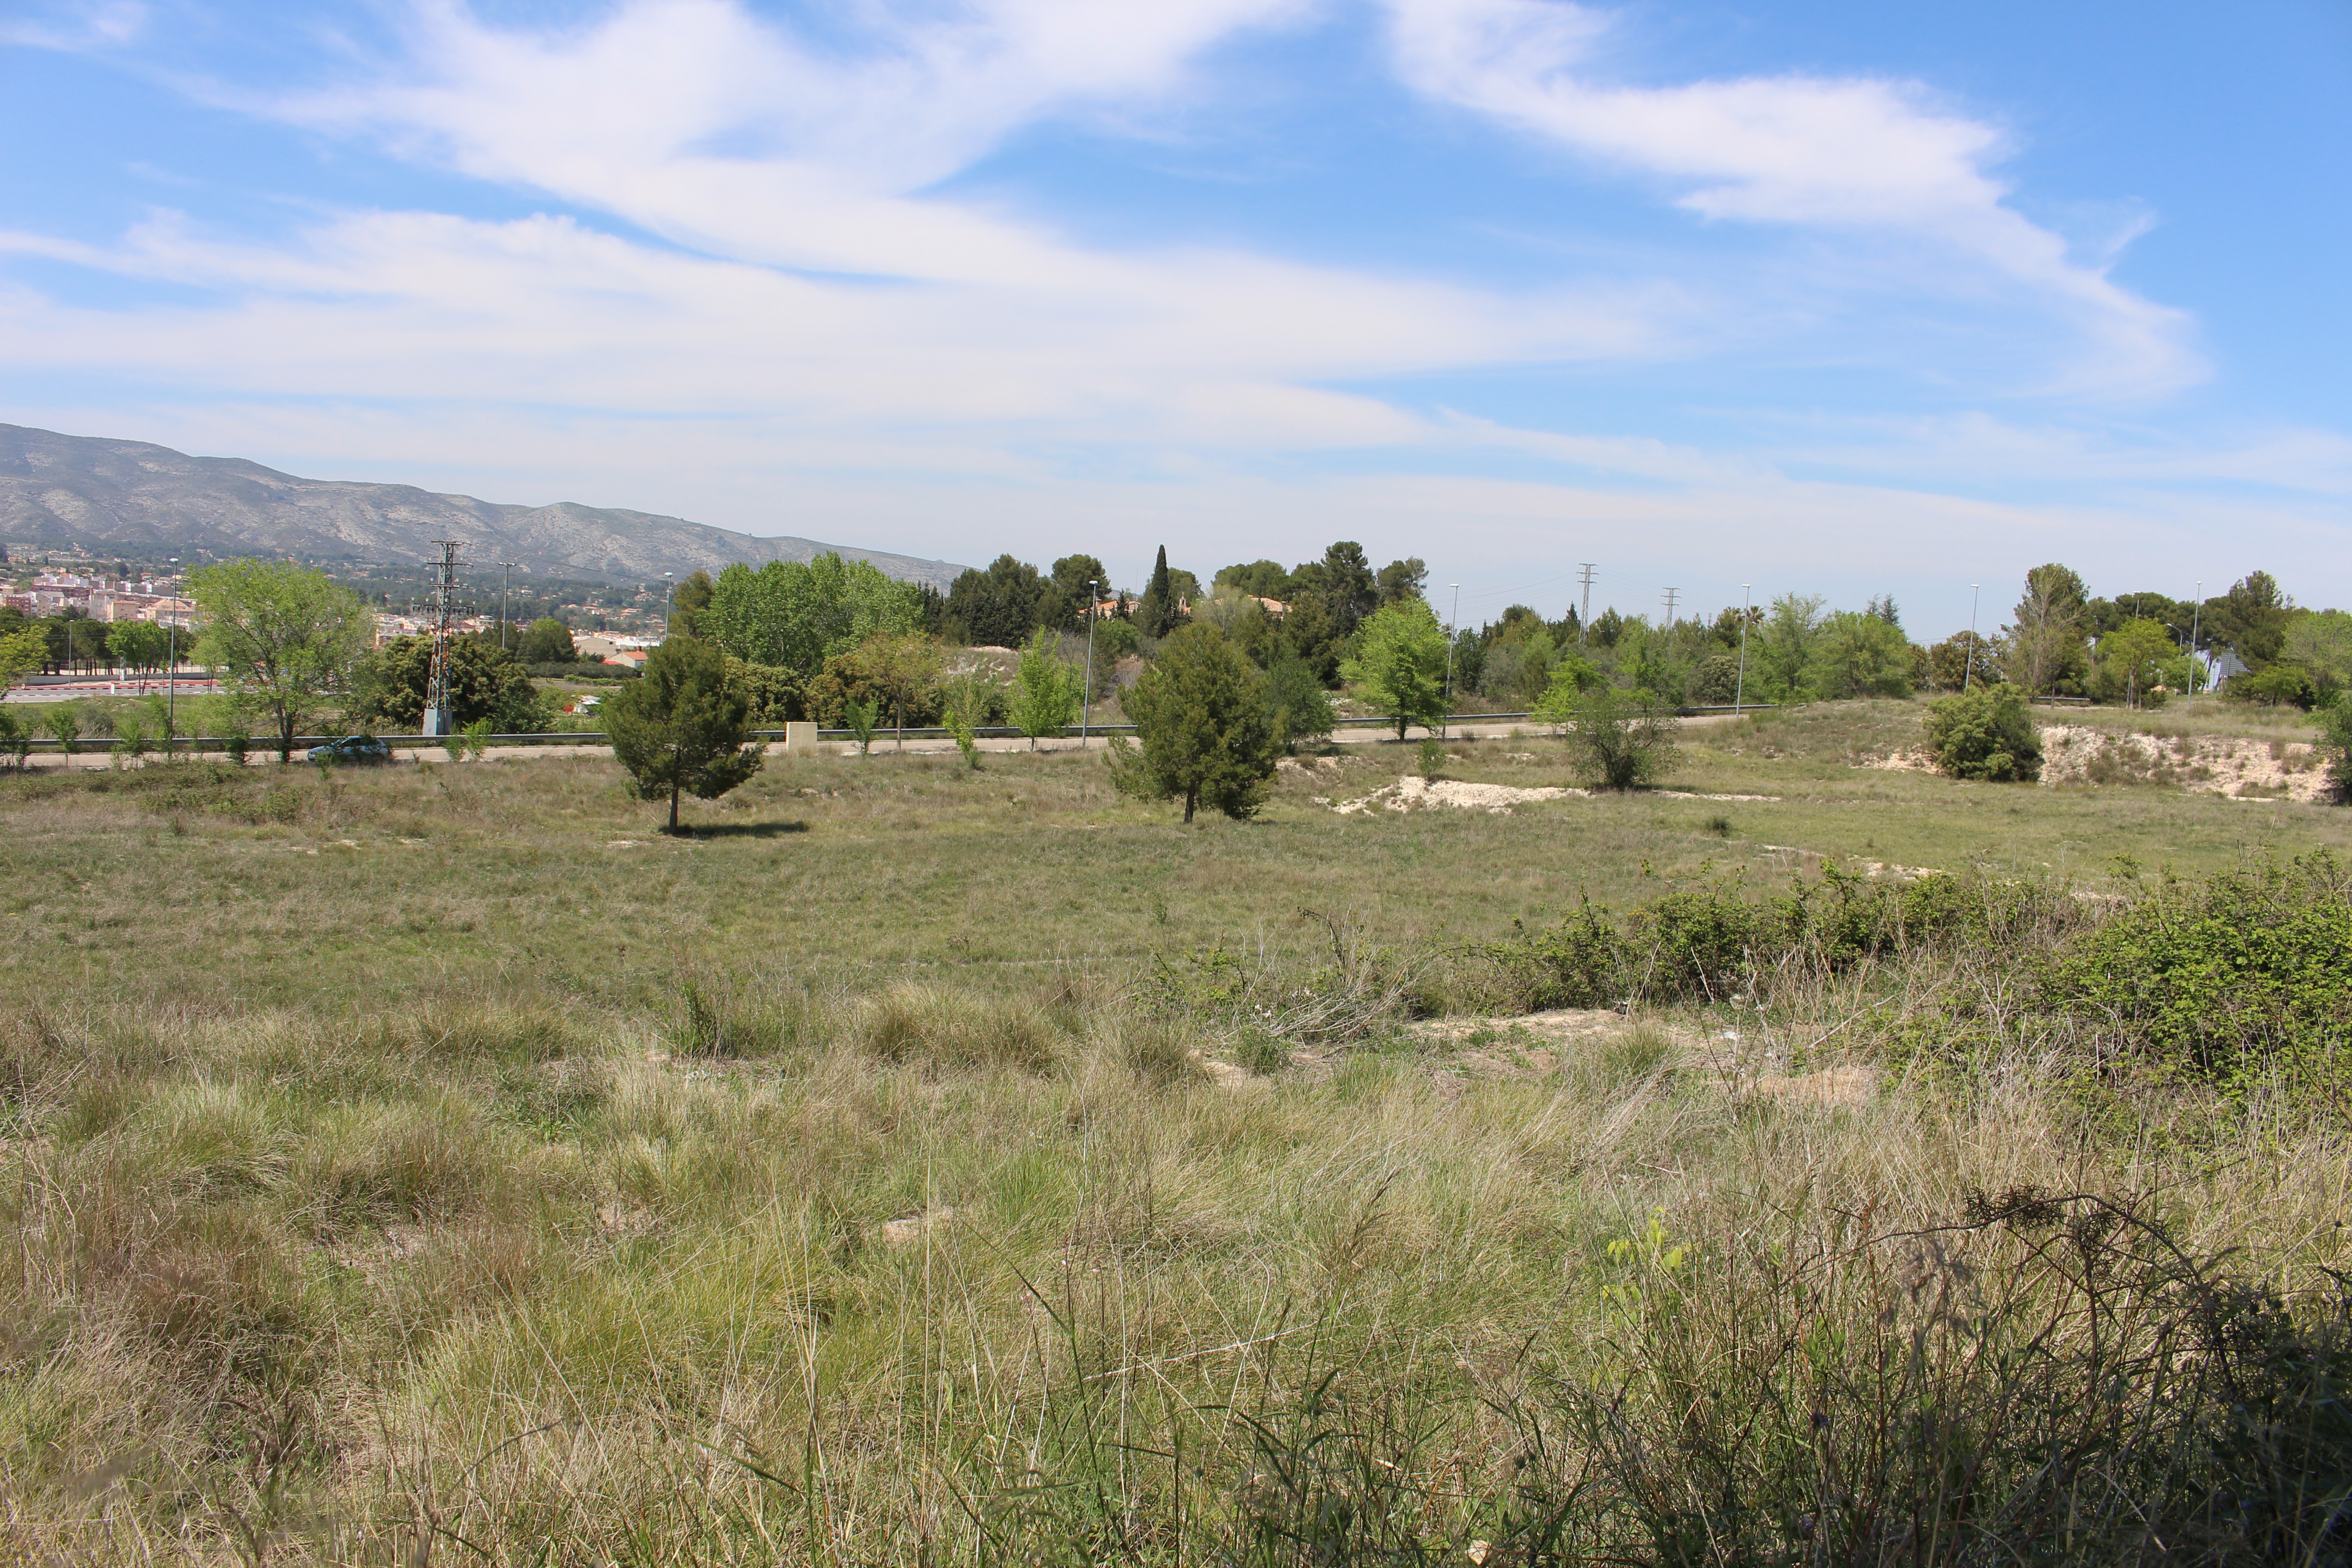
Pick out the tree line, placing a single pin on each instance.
(1219, 680)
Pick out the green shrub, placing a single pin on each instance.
(2334, 746)
(2236, 976)
(915, 1024)
(1717, 944)
(2280, 686)
(1785, 1404)
(1261, 1051)
(1619, 741)
(1985, 733)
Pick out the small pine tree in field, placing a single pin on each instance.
(682, 726)
(1206, 735)
(1985, 733)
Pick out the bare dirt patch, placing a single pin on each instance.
(1738, 1061)
(2084, 756)
(2211, 764)
(1494, 800)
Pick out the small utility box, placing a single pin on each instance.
(800, 737)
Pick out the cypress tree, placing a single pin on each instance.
(1157, 613)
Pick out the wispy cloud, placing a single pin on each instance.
(74, 25)
(754, 291)
(1852, 155)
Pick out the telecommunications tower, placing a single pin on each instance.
(443, 602)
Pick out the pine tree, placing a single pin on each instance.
(1208, 734)
(683, 726)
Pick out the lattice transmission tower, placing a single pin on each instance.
(443, 608)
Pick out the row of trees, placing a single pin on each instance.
(71, 641)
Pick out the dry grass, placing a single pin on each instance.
(866, 1181)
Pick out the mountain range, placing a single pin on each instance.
(92, 493)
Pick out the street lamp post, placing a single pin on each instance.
(1969, 654)
(505, 572)
(1739, 686)
(669, 597)
(2195, 625)
(1086, 676)
(1453, 630)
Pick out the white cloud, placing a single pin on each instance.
(703, 123)
(1849, 155)
(1217, 347)
(71, 25)
(820, 339)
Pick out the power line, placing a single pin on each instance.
(1670, 594)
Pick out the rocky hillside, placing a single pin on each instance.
(60, 491)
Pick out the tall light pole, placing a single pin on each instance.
(1739, 687)
(1453, 630)
(1968, 653)
(669, 596)
(1086, 678)
(172, 677)
(2195, 625)
(506, 570)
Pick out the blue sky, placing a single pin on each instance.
(1834, 298)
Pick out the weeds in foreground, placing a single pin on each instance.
(727, 1264)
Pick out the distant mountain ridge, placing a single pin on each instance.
(90, 491)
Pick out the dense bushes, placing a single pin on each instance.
(2044, 1378)
(1717, 944)
(1985, 733)
(2245, 975)
(2249, 970)
(2334, 744)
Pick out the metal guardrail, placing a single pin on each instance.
(265, 745)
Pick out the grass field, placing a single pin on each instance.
(439, 1160)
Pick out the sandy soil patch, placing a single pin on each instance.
(2210, 764)
(2081, 756)
(1540, 1044)
(1831, 1087)
(1494, 800)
